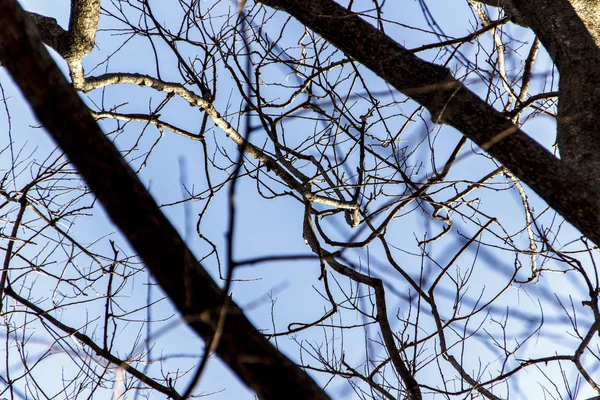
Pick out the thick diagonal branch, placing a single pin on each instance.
(256, 362)
(450, 102)
(570, 31)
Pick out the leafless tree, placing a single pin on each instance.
(435, 179)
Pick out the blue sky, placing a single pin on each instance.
(288, 292)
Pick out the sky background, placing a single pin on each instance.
(277, 294)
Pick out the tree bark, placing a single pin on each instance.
(570, 32)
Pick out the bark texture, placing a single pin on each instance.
(51, 33)
(58, 107)
(83, 25)
(570, 31)
(79, 40)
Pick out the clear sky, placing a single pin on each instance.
(275, 295)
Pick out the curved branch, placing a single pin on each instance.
(255, 152)
(412, 386)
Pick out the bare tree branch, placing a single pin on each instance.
(131, 207)
(450, 102)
